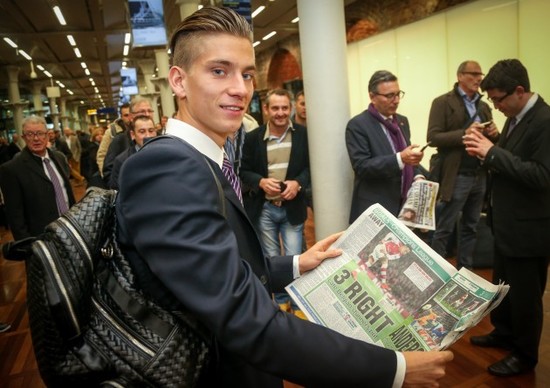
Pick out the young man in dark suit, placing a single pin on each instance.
(519, 213)
(197, 251)
(33, 198)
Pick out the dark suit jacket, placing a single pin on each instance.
(448, 120)
(254, 168)
(520, 185)
(29, 194)
(377, 173)
(120, 143)
(169, 218)
(117, 164)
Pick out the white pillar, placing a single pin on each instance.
(187, 7)
(148, 69)
(166, 98)
(54, 115)
(324, 65)
(37, 98)
(15, 98)
(63, 111)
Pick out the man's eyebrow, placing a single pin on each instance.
(225, 62)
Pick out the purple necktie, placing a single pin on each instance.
(59, 197)
(227, 169)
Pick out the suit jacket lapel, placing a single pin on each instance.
(33, 165)
(380, 134)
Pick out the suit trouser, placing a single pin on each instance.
(75, 170)
(518, 319)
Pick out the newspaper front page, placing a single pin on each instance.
(391, 289)
(418, 211)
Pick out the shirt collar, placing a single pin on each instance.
(268, 136)
(196, 139)
(532, 100)
(465, 96)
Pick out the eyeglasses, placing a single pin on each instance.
(144, 112)
(391, 96)
(39, 135)
(498, 100)
(473, 73)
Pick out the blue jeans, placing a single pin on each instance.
(467, 198)
(273, 226)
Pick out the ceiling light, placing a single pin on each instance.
(77, 52)
(59, 15)
(256, 43)
(87, 71)
(48, 73)
(27, 56)
(40, 67)
(83, 64)
(295, 20)
(126, 49)
(71, 40)
(272, 33)
(200, 6)
(70, 92)
(127, 38)
(60, 84)
(124, 64)
(257, 11)
(10, 42)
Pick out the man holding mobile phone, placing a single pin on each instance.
(378, 141)
(462, 181)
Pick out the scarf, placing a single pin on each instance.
(399, 144)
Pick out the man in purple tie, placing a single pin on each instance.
(379, 147)
(35, 184)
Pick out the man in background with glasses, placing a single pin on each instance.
(139, 106)
(519, 209)
(379, 147)
(35, 183)
(462, 181)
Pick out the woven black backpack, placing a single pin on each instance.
(90, 326)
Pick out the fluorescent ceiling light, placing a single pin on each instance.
(48, 73)
(127, 38)
(77, 52)
(83, 64)
(70, 92)
(271, 34)
(295, 20)
(126, 49)
(256, 43)
(60, 84)
(59, 15)
(257, 12)
(40, 67)
(27, 56)
(124, 64)
(10, 42)
(71, 40)
(87, 71)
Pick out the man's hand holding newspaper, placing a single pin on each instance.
(391, 289)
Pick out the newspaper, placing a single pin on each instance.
(391, 289)
(419, 208)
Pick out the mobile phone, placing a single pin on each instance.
(426, 146)
(282, 186)
(486, 124)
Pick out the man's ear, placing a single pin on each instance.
(176, 78)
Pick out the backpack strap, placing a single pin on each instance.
(221, 196)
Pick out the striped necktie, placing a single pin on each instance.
(227, 170)
(62, 206)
